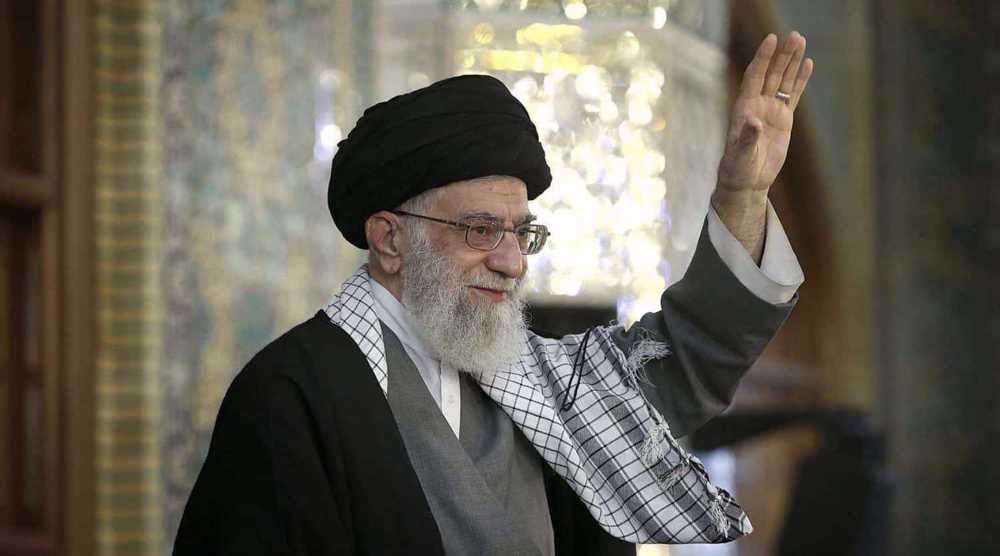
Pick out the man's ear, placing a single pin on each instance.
(384, 235)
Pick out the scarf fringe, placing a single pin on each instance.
(719, 518)
(658, 443)
(642, 352)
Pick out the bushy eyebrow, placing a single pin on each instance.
(481, 214)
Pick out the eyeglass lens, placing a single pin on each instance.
(486, 235)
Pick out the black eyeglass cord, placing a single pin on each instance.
(577, 374)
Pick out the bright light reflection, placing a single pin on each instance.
(544, 35)
(329, 136)
(608, 111)
(575, 9)
(489, 5)
(639, 112)
(483, 33)
(659, 17)
(593, 101)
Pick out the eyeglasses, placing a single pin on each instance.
(485, 232)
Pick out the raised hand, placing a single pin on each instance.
(761, 123)
(760, 130)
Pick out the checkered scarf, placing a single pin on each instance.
(577, 401)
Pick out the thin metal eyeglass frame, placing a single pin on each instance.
(540, 229)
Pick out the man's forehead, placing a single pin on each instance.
(498, 195)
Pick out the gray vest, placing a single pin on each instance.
(486, 492)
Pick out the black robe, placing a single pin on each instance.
(305, 461)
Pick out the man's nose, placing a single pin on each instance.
(507, 258)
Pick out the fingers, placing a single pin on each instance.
(753, 77)
(792, 71)
(793, 44)
(800, 82)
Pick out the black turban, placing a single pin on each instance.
(458, 129)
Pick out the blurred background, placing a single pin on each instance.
(163, 174)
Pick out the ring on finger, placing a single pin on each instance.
(783, 97)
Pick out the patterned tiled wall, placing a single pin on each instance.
(252, 101)
(127, 207)
(214, 124)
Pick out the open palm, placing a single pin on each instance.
(761, 123)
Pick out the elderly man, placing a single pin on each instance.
(418, 414)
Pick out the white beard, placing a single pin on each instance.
(471, 336)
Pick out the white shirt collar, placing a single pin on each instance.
(396, 316)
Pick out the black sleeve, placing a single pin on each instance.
(715, 329)
(263, 488)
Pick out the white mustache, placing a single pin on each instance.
(508, 285)
(494, 288)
